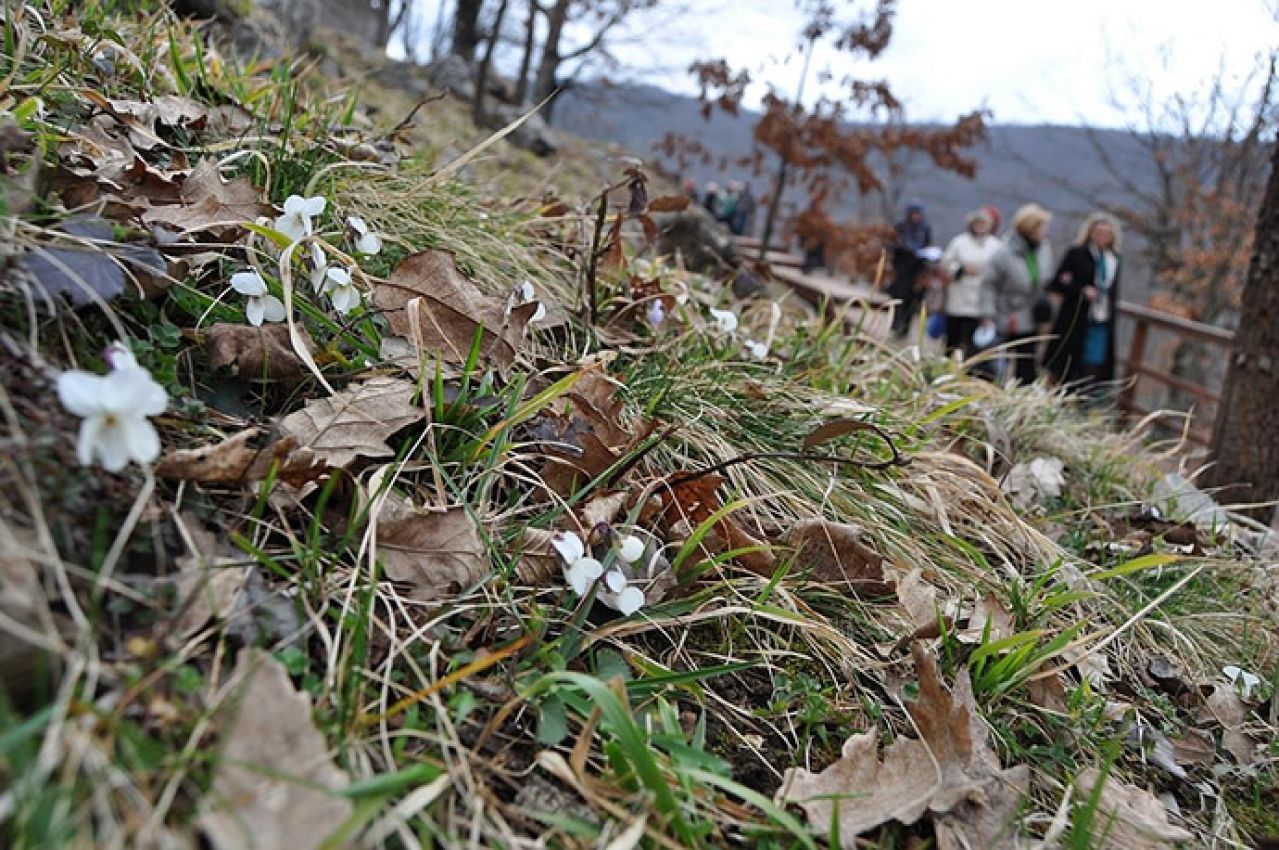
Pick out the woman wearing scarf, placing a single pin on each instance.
(1013, 288)
(913, 235)
(1083, 344)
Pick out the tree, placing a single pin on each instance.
(466, 28)
(1244, 444)
(598, 19)
(841, 141)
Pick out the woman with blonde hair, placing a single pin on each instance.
(1087, 282)
(965, 262)
(1013, 288)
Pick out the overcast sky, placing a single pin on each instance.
(1028, 61)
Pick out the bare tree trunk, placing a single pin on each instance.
(466, 28)
(1244, 443)
(482, 76)
(526, 60)
(544, 85)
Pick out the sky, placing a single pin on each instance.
(1028, 61)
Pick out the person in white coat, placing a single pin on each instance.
(965, 261)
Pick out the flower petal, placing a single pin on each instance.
(248, 283)
(526, 291)
(631, 550)
(318, 258)
(725, 319)
(294, 205)
(296, 227)
(119, 356)
(82, 393)
(539, 314)
(112, 445)
(344, 298)
(313, 206)
(272, 308)
(87, 440)
(583, 573)
(337, 276)
(357, 224)
(569, 545)
(142, 440)
(369, 243)
(630, 600)
(134, 393)
(255, 311)
(615, 581)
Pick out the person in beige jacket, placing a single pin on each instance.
(965, 262)
(1013, 288)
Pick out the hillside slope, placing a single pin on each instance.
(368, 483)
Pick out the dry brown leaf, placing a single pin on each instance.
(430, 303)
(1048, 692)
(225, 462)
(207, 202)
(988, 610)
(1194, 747)
(919, 599)
(1224, 706)
(952, 775)
(833, 552)
(838, 428)
(539, 564)
(275, 781)
(261, 353)
(669, 203)
(355, 422)
(694, 501)
(210, 581)
(438, 552)
(1131, 817)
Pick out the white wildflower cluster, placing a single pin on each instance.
(114, 408)
(525, 293)
(727, 323)
(334, 282)
(582, 571)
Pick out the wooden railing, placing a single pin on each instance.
(1136, 367)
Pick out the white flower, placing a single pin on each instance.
(631, 549)
(629, 601)
(1242, 680)
(115, 408)
(725, 320)
(319, 265)
(365, 241)
(341, 291)
(656, 312)
(298, 212)
(525, 293)
(758, 350)
(582, 572)
(118, 356)
(262, 305)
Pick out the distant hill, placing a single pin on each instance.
(1055, 166)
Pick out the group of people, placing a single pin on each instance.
(733, 206)
(1007, 291)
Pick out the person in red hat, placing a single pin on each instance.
(992, 212)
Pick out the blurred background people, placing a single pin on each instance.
(1082, 347)
(1013, 288)
(965, 261)
(912, 235)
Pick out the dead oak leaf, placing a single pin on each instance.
(439, 553)
(988, 612)
(834, 553)
(690, 502)
(210, 581)
(224, 462)
(207, 202)
(951, 775)
(429, 302)
(263, 353)
(355, 422)
(275, 782)
(1223, 705)
(1130, 818)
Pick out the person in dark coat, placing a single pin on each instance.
(1082, 348)
(744, 215)
(913, 235)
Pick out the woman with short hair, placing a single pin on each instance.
(965, 261)
(1087, 283)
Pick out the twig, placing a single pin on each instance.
(593, 259)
